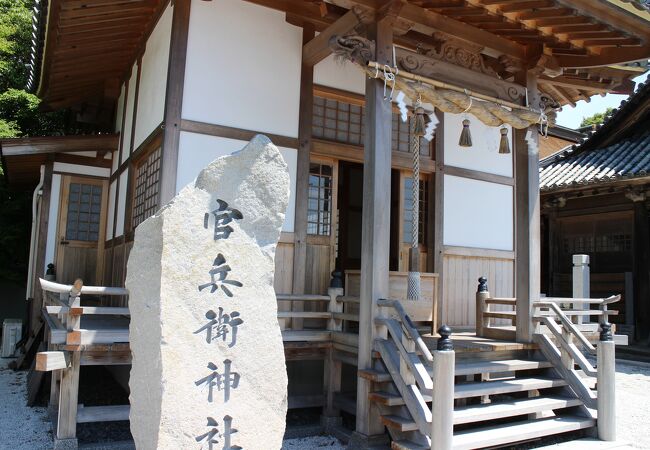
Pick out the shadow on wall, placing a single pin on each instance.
(12, 302)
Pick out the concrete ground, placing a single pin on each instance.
(24, 428)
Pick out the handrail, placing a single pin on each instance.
(573, 351)
(408, 326)
(593, 301)
(301, 297)
(566, 323)
(51, 286)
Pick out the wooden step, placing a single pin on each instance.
(399, 423)
(388, 399)
(478, 413)
(507, 365)
(520, 431)
(479, 389)
(375, 375)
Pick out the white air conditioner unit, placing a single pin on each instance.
(12, 330)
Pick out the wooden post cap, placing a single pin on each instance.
(482, 284)
(606, 332)
(444, 342)
(337, 279)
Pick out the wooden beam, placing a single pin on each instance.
(318, 48)
(607, 57)
(174, 100)
(58, 144)
(527, 219)
(305, 121)
(577, 84)
(375, 238)
(48, 361)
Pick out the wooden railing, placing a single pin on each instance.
(565, 345)
(68, 342)
(415, 370)
(485, 314)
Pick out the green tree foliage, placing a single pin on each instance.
(19, 116)
(596, 119)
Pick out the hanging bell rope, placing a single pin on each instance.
(418, 131)
(504, 144)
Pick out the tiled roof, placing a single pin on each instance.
(626, 159)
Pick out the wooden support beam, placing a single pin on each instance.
(318, 48)
(41, 244)
(66, 425)
(174, 100)
(109, 413)
(607, 56)
(375, 241)
(527, 219)
(302, 177)
(48, 361)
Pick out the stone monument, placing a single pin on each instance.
(208, 360)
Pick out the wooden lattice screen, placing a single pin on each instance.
(147, 184)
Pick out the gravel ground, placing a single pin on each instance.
(633, 403)
(23, 428)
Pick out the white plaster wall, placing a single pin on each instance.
(478, 214)
(82, 170)
(339, 75)
(198, 150)
(111, 211)
(53, 220)
(483, 155)
(153, 79)
(121, 204)
(128, 121)
(243, 67)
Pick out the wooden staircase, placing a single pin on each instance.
(499, 398)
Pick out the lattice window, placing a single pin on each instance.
(619, 242)
(84, 212)
(345, 122)
(319, 206)
(408, 210)
(147, 185)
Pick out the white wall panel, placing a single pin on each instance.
(153, 79)
(478, 214)
(111, 211)
(339, 75)
(121, 204)
(53, 220)
(196, 151)
(128, 121)
(243, 67)
(483, 155)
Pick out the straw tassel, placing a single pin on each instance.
(420, 125)
(504, 145)
(465, 136)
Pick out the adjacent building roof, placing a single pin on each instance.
(618, 150)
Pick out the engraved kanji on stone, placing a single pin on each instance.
(223, 215)
(212, 436)
(219, 277)
(220, 325)
(222, 381)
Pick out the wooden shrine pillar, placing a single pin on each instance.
(174, 100)
(527, 218)
(375, 237)
(41, 246)
(302, 174)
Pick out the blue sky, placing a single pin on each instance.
(571, 117)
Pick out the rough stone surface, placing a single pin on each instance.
(170, 295)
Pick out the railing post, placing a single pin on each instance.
(442, 404)
(606, 384)
(482, 294)
(332, 374)
(581, 282)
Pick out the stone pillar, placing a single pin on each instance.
(581, 283)
(375, 237)
(606, 402)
